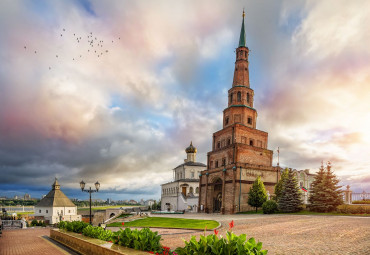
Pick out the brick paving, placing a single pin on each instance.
(292, 234)
(29, 241)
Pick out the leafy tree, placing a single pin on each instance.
(257, 194)
(154, 205)
(279, 186)
(325, 194)
(159, 205)
(290, 200)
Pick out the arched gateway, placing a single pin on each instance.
(217, 196)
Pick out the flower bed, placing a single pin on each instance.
(146, 240)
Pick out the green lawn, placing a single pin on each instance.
(164, 222)
(104, 207)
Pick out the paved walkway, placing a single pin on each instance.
(31, 241)
(291, 234)
(280, 234)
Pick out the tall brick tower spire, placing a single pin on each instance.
(239, 151)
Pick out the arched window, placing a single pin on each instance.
(228, 141)
(231, 98)
(239, 96)
(197, 190)
(191, 190)
(247, 97)
(226, 120)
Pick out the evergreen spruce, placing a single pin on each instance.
(333, 189)
(290, 200)
(279, 186)
(257, 194)
(325, 192)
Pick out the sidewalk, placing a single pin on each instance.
(31, 241)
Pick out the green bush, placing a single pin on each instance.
(269, 207)
(211, 244)
(144, 239)
(354, 209)
(98, 232)
(73, 226)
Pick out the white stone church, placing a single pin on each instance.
(183, 192)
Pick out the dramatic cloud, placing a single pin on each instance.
(161, 80)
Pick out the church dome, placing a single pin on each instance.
(191, 149)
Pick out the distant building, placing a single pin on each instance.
(56, 206)
(27, 196)
(183, 192)
(305, 180)
(15, 197)
(132, 202)
(109, 201)
(149, 202)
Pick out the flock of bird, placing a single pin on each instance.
(95, 45)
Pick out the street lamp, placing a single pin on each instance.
(97, 187)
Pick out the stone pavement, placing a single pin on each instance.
(291, 234)
(31, 241)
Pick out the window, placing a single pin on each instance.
(231, 98)
(248, 97)
(228, 141)
(250, 120)
(69, 211)
(218, 145)
(226, 120)
(239, 96)
(251, 142)
(216, 163)
(39, 211)
(224, 161)
(191, 190)
(197, 190)
(47, 211)
(244, 139)
(192, 174)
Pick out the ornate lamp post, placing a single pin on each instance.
(97, 187)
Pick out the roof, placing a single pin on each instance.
(55, 198)
(191, 163)
(182, 180)
(242, 40)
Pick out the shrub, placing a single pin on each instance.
(98, 232)
(73, 226)
(353, 209)
(269, 207)
(34, 223)
(211, 244)
(230, 245)
(361, 202)
(143, 239)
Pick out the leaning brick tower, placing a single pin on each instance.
(239, 150)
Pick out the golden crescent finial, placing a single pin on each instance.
(243, 13)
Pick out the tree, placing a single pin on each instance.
(317, 192)
(325, 192)
(257, 194)
(279, 186)
(290, 200)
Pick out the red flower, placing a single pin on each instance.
(231, 224)
(110, 241)
(216, 232)
(123, 223)
(151, 252)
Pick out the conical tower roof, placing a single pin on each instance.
(242, 40)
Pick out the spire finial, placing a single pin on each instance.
(242, 41)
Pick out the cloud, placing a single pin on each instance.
(124, 118)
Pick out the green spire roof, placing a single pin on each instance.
(242, 42)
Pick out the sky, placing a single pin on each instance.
(123, 115)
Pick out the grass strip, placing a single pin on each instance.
(164, 222)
